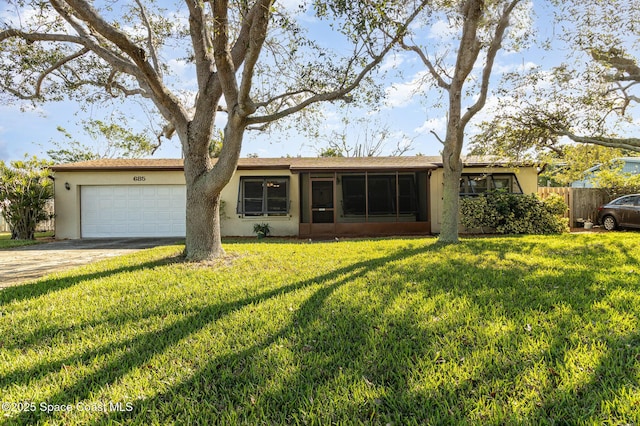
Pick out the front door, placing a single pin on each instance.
(322, 206)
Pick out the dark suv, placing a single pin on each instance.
(623, 212)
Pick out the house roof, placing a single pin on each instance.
(122, 164)
(295, 164)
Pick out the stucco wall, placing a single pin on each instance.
(235, 225)
(67, 202)
(527, 177)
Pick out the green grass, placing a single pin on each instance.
(515, 330)
(6, 242)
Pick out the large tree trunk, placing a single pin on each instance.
(203, 240)
(205, 181)
(452, 165)
(452, 172)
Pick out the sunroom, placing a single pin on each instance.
(352, 201)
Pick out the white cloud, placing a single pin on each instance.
(179, 67)
(442, 30)
(297, 8)
(402, 94)
(499, 69)
(437, 125)
(32, 18)
(291, 5)
(392, 62)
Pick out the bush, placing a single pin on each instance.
(505, 213)
(262, 229)
(25, 187)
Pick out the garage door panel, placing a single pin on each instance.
(164, 216)
(133, 211)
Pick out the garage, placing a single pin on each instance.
(132, 211)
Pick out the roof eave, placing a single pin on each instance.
(114, 168)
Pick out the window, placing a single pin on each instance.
(259, 196)
(631, 200)
(385, 194)
(476, 184)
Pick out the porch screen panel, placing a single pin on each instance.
(382, 194)
(379, 193)
(407, 195)
(354, 195)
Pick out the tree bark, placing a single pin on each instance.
(205, 181)
(452, 166)
(468, 51)
(203, 239)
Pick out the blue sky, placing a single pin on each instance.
(409, 110)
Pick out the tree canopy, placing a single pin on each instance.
(590, 97)
(460, 65)
(250, 62)
(111, 140)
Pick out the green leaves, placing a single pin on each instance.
(505, 213)
(591, 97)
(112, 140)
(25, 187)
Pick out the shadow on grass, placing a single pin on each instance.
(342, 345)
(138, 351)
(45, 286)
(357, 359)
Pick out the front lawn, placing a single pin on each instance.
(6, 242)
(514, 330)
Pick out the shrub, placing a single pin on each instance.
(262, 229)
(505, 213)
(25, 187)
(616, 182)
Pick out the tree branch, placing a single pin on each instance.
(632, 144)
(200, 40)
(95, 42)
(38, 86)
(437, 137)
(259, 19)
(148, 79)
(282, 97)
(425, 60)
(147, 73)
(342, 93)
(222, 55)
(33, 37)
(150, 39)
(494, 47)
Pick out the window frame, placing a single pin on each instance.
(267, 200)
(379, 194)
(466, 189)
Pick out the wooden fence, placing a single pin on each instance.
(583, 203)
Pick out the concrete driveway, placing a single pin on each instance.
(31, 262)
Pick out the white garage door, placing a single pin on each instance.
(133, 211)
